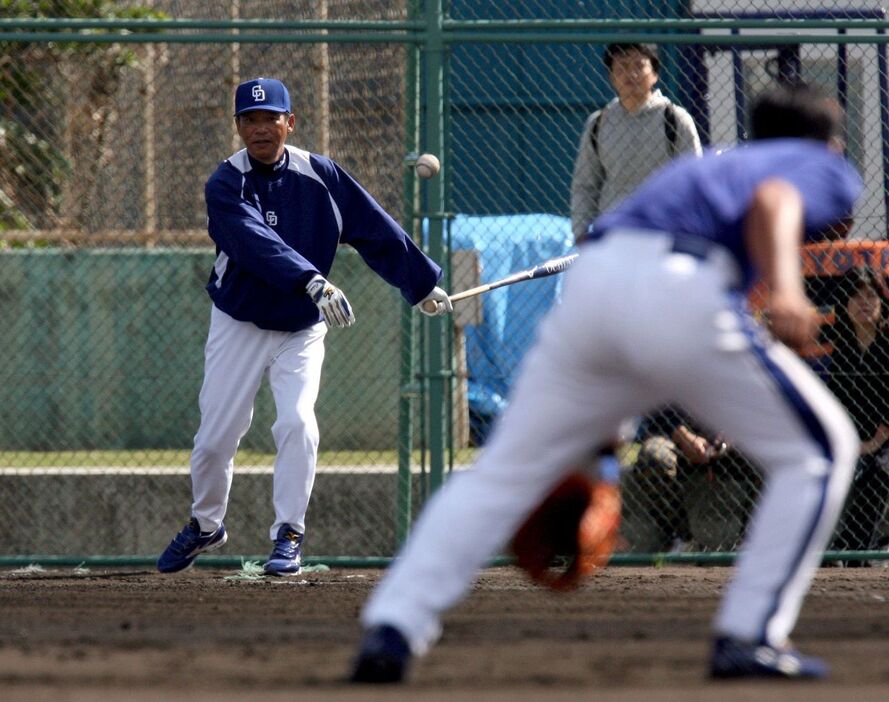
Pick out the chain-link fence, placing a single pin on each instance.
(104, 149)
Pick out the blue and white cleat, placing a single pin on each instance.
(736, 659)
(383, 658)
(286, 557)
(188, 544)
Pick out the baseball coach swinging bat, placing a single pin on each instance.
(541, 270)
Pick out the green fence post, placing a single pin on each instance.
(433, 128)
(409, 386)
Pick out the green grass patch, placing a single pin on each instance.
(179, 457)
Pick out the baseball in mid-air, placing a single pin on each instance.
(427, 165)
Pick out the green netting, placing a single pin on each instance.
(104, 149)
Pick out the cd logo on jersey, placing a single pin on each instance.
(258, 93)
(271, 218)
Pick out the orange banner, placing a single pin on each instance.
(827, 259)
(836, 257)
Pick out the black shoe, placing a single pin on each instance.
(736, 659)
(383, 657)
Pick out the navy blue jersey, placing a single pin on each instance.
(277, 226)
(709, 197)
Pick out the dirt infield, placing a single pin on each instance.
(629, 634)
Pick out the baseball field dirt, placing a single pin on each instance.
(628, 634)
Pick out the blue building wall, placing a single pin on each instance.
(517, 110)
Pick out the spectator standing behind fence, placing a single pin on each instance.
(633, 135)
(859, 377)
(277, 214)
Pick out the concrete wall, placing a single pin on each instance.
(136, 512)
(103, 349)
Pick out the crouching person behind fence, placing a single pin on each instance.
(694, 491)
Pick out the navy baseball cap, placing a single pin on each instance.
(262, 94)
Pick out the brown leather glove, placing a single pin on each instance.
(578, 520)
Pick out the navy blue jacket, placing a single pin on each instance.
(277, 226)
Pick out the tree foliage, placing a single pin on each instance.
(34, 159)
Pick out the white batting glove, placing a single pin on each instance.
(332, 303)
(436, 303)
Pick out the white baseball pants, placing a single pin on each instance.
(638, 326)
(237, 356)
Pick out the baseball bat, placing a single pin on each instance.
(541, 270)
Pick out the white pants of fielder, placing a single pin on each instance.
(237, 357)
(639, 326)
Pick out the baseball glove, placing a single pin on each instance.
(579, 521)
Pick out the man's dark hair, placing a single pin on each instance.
(649, 51)
(795, 110)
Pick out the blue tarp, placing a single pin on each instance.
(494, 349)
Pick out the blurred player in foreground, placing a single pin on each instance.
(277, 214)
(653, 312)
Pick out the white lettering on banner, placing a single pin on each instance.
(271, 218)
(258, 93)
